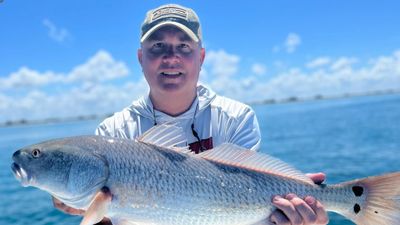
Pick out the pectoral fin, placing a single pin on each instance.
(119, 221)
(98, 208)
(264, 222)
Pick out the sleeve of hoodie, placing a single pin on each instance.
(247, 132)
(119, 125)
(236, 123)
(104, 129)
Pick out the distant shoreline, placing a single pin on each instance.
(318, 97)
(23, 122)
(288, 100)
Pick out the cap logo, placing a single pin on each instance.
(169, 12)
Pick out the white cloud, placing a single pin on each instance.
(90, 95)
(259, 69)
(293, 40)
(218, 71)
(343, 63)
(83, 100)
(99, 68)
(83, 91)
(318, 62)
(27, 78)
(290, 44)
(382, 73)
(4, 101)
(56, 33)
(221, 64)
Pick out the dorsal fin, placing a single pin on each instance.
(167, 135)
(234, 155)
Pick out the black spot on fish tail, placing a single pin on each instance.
(357, 208)
(358, 190)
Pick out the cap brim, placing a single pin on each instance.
(179, 25)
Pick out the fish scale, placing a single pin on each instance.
(212, 192)
(155, 183)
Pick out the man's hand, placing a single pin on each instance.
(68, 210)
(292, 210)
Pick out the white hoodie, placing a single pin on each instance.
(216, 120)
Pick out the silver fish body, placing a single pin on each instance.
(172, 188)
(156, 185)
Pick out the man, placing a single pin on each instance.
(171, 56)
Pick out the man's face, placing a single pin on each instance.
(171, 61)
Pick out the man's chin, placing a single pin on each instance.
(172, 87)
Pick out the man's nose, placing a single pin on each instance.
(171, 55)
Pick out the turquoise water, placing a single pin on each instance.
(345, 138)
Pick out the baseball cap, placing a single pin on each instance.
(172, 14)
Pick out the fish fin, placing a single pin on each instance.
(119, 221)
(234, 155)
(98, 208)
(263, 222)
(382, 200)
(167, 135)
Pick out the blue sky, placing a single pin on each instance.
(68, 58)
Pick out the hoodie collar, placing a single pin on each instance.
(144, 106)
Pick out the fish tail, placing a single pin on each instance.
(379, 200)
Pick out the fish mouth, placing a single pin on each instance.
(20, 174)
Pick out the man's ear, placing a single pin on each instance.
(202, 55)
(139, 55)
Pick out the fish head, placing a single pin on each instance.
(67, 170)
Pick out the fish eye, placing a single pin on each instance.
(36, 153)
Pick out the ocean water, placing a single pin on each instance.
(344, 138)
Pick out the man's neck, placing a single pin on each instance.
(172, 104)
